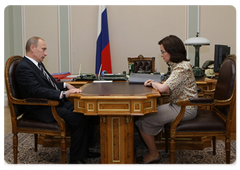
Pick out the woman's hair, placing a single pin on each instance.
(175, 47)
(33, 40)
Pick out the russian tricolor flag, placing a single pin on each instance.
(103, 55)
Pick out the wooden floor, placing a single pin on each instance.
(7, 120)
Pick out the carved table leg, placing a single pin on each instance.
(117, 144)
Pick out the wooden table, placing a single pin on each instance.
(116, 103)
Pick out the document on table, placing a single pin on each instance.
(141, 78)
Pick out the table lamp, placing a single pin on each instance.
(197, 42)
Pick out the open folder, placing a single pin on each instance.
(141, 78)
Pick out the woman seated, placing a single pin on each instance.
(181, 85)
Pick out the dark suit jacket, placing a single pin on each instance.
(33, 84)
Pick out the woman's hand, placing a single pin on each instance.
(148, 82)
(156, 85)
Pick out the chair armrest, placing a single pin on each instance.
(190, 102)
(35, 101)
(197, 102)
(44, 102)
(201, 100)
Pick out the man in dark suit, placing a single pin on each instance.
(34, 81)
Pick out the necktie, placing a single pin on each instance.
(47, 76)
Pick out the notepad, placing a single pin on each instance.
(102, 81)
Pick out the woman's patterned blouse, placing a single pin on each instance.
(181, 82)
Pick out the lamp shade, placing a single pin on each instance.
(197, 41)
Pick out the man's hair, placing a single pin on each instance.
(33, 40)
(175, 47)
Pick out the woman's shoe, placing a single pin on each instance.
(155, 160)
(139, 159)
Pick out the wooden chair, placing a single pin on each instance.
(143, 64)
(17, 109)
(210, 123)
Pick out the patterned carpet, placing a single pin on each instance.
(45, 155)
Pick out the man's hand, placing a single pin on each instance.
(73, 91)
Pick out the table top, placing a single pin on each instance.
(119, 90)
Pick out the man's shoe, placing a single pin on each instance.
(77, 162)
(93, 155)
